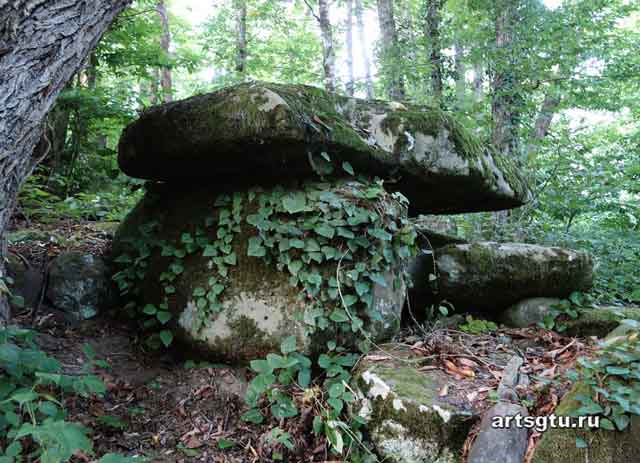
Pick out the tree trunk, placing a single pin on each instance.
(390, 51)
(349, 39)
(240, 7)
(434, 45)
(165, 43)
(460, 74)
(42, 45)
(328, 53)
(478, 78)
(545, 116)
(363, 48)
(505, 85)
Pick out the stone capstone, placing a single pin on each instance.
(254, 132)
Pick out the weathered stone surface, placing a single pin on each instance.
(260, 306)
(254, 131)
(603, 446)
(436, 231)
(492, 276)
(26, 286)
(78, 284)
(528, 311)
(504, 445)
(599, 321)
(407, 416)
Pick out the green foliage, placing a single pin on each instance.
(477, 326)
(32, 414)
(567, 309)
(613, 379)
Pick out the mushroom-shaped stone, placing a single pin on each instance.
(256, 132)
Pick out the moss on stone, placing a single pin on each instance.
(603, 446)
(600, 321)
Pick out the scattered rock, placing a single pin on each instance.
(78, 284)
(255, 131)
(504, 445)
(492, 276)
(528, 312)
(602, 446)
(408, 417)
(511, 378)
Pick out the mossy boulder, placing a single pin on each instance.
(599, 321)
(528, 312)
(603, 446)
(491, 276)
(79, 285)
(238, 302)
(254, 132)
(406, 414)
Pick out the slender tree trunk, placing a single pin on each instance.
(478, 79)
(390, 51)
(434, 45)
(165, 43)
(240, 7)
(505, 84)
(461, 71)
(349, 39)
(328, 53)
(42, 45)
(365, 56)
(545, 116)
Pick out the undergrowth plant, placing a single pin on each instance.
(33, 419)
(613, 381)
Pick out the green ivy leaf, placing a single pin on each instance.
(166, 337)
(288, 345)
(348, 168)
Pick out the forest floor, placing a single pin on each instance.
(169, 408)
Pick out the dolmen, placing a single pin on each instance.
(276, 210)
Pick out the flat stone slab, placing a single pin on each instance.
(259, 131)
(492, 276)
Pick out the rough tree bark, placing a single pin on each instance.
(349, 39)
(365, 56)
(545, 116)
(390, 50)
(165, 42)
(240, 7)
(328, 53)
(478, 78)
(504, 107)
(43, 43)
(461, 71)
(434, 45)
